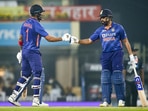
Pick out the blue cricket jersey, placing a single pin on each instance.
(32, 31)
(111, 38)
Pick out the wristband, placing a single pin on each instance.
(20, 43)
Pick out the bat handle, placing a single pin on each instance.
(135, 72)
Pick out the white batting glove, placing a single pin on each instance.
(132, 61)
(74, 40)
(66, 37)
(19, 56)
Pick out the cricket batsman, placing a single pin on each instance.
(111, 35)
(29, 41)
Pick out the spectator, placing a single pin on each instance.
(131, 90)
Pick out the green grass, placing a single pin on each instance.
(73, 108)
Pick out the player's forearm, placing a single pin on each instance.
(85, 41)
(53, 39)
(128, 46)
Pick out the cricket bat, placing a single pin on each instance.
(140, 89)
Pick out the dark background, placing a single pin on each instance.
(132, 14)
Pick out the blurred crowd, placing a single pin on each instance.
(7, 82)
(53, 90)
(17, 10)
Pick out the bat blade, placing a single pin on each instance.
(142, 97)
(141, 92)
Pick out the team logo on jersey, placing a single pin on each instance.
(101, 12)
(113, 30)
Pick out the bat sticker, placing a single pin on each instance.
(138, 83)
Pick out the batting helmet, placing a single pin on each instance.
(106, 13)
(36, 9)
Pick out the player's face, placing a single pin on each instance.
(39, 16)
(105, 20)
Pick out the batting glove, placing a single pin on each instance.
(19, 56)
(74, 40)
(132, 61)
(66, 37)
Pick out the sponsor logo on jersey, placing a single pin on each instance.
(108, 35)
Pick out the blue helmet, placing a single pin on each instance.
(106, 13)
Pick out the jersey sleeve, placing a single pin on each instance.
(122, 33)
(95, 35)
(39, 29)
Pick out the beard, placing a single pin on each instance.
(105, 23)
(39, 17)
